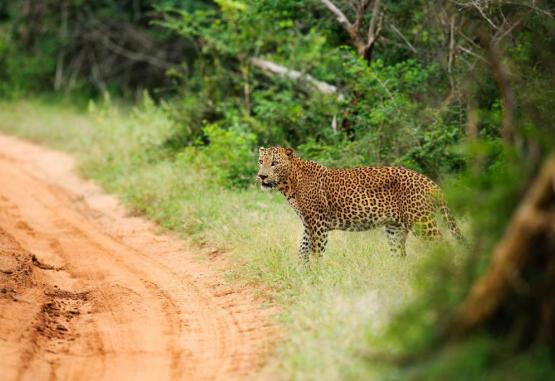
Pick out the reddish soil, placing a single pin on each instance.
(89, 293)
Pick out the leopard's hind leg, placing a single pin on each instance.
(427, 229)
(397, 238)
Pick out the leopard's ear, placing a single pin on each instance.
(261, 149)
(289, 152)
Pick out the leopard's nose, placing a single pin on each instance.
(262, 177)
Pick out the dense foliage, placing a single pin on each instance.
(374, 103)
(406, 103)
(86, 47)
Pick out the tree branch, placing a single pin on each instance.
(451, 44)
(320, 86)
(375, 27)
(274, 68)
(342, 19)
(410, 46)
(134, 56)
(364, 48)
(360, 11)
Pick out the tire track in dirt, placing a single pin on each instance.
(104, 296)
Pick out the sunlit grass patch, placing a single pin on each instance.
(60, 127)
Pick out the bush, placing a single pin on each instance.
(229, 155)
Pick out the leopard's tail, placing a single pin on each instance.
(451, 222)
(448, 217)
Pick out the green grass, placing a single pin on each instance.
(333, 313)
(61, 127)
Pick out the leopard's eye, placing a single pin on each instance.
(274, 163)
(259, 161)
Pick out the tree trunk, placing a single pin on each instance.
(516, 294)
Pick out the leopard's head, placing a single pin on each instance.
(274, 166)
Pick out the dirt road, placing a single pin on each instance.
(89, 293)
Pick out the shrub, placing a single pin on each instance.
(229, 155)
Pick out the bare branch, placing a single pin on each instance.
(353, 4)
(363, 47)
(451, 44)
(334, 123)
(134, 56)
(274, 68)
(509, 30)
(472, 53)
(320, 86)
(360, 11)
(343, 20)
(477, 4)
(375, 27)
(411, 47)
(533, 7)
(468, 39)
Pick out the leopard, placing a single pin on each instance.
(355, 199)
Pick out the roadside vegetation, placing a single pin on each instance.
(461, 91)
(326, 309)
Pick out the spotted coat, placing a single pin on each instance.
(354, 199)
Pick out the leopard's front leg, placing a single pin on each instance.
(317, 238)
(304, 247)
